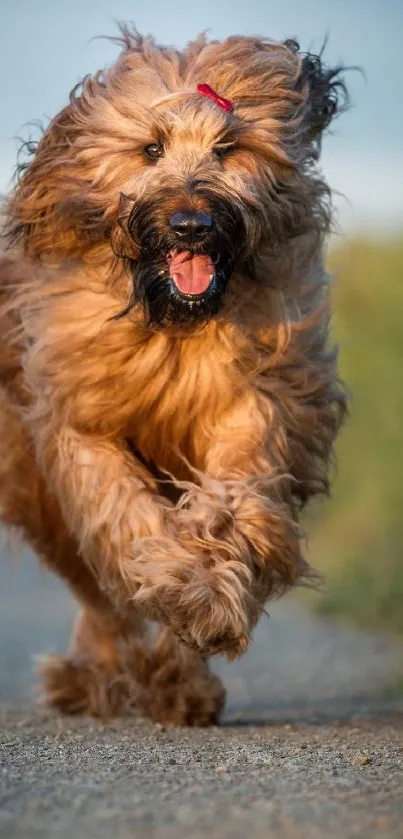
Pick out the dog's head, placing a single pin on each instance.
(186, 165)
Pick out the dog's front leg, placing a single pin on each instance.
(239, 520)
(109, 502)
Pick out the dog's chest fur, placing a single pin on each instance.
(180, 395)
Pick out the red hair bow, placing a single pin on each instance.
(208, 91)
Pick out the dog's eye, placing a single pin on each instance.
(153, 151)
(224, 150)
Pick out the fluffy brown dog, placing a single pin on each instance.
(169, 399)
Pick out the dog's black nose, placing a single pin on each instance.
(191, 225)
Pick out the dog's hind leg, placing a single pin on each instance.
(115, 671)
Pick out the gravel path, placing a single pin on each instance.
(312, 742)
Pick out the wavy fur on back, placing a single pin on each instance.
(168, 461)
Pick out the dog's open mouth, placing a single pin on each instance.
(181, 286)
(192, 274)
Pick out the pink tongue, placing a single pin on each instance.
(191, 274)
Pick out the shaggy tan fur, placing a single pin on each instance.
(160, 468)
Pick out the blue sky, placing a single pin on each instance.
(46, 47)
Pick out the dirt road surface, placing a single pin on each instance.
(311, 744)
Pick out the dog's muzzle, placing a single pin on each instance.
(190, 270)
(186, 258)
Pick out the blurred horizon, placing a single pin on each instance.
(45, 48)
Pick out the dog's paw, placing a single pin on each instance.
(208, 605)
(210, 608)
(176, 684)
(74, 686)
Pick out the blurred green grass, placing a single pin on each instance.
(356, 539)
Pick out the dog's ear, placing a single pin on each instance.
(31, 205)
(53, 206)
(324, 89)
(327, 92)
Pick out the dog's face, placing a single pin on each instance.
(185, 190)
(193, 211)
